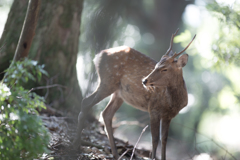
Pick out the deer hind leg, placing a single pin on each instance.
(101, 92)
(108, 113)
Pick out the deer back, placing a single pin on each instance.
(124, 68)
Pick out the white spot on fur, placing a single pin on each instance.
(108, 69)
(115, 66)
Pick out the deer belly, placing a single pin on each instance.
(134, 97)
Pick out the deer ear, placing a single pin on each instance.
(182, 60)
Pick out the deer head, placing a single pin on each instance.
(168, 71)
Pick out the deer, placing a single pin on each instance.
(132, 77)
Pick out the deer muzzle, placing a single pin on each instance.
(147, 85)
(144, 81)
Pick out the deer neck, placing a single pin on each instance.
(177, 95)
(169, 100)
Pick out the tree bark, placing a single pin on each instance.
(55, 44)
(28, 30)
(11, 33)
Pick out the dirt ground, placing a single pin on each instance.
(95, 146)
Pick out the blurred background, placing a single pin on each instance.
(70, 34)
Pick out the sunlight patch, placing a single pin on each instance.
(191, 101)
(202, 156)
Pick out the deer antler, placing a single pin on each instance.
(177, 54)
(171, 43)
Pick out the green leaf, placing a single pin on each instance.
(23, 135)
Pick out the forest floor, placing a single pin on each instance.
(95, 146)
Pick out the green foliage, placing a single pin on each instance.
(226, 47)
(21, 71)
(22, 134)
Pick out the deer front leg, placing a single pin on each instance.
(108, 113)
(164, 135)
(155, 125)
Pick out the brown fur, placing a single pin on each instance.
(130, 76)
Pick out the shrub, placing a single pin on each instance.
(22, 134)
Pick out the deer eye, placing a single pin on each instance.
(164, 70)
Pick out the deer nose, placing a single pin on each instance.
(144, 81)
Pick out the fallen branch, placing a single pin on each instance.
(138, 141)
(124, 153)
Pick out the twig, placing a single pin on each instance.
(46, 87)
(46, 95)
(223, 149)
(138, 141)
(49, 82)
(124, 153)
(196, 132)
(2, 72)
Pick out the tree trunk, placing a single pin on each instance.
(11, 33)
(168, 17)
(28, 30)
(55, 44)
